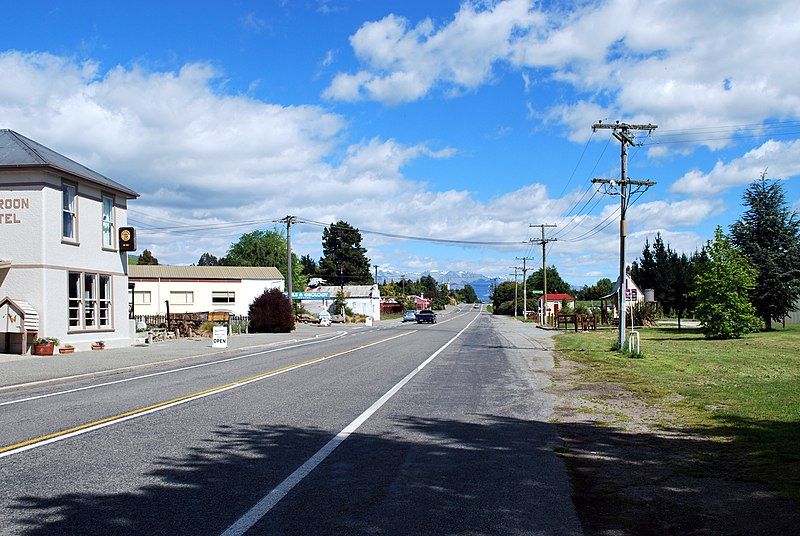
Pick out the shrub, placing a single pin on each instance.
(271, 313)
(206, 328)
(644, 314)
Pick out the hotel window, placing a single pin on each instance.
(181, 297)
(69, 211)
(74, 302)
(108, 222)
(104, 300)
(89, 301)
(223, 297)
(141, 297)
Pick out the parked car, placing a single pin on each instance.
(409, 316)
(426, 316)
(476, 306)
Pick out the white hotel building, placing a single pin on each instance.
(59, 223)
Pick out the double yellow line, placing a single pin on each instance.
(121, 417)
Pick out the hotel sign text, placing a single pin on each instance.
(12, 204)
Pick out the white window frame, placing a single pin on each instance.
(141, 294)
(90, 306)
(72, 211)
(110, 222)
(230, 297)
(187, 294)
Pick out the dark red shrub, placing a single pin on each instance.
(271, 313)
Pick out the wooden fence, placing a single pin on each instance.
(238, 324)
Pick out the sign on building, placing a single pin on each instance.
(311, 295)
(127, 239)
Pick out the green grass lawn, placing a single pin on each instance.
(745, 392)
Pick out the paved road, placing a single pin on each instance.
(434, 429)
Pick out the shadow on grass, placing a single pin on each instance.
(485, 474)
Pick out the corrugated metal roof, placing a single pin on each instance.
(350, 291)
(17, 150)
(203, 272)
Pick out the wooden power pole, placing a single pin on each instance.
(621, 131)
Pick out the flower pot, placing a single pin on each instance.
(98, 346)
(43, 349)
(66, 350)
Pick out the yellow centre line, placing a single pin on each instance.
(121, 417)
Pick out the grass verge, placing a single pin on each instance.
(744, 393)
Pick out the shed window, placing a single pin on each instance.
(223, 297)
(181, 297)
(142, 297)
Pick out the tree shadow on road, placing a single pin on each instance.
(479, 474)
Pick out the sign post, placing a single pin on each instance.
(219, 337)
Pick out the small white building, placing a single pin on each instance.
(197, 289)
(59, 254)
(550, 306)
(361, 299)
(633, 294)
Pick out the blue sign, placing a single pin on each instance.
(311, 295)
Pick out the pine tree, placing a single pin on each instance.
(722, 304)
(343, 259)
(147, 258)
(768, 234)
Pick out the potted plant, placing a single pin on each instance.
(98, 345)
(44, 346)
(66, 349)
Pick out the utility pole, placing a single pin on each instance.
(516, 286)
(376, 273)
(621, 131)
(543, 242)
(289, 220)
(524, 284)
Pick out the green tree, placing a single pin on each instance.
(602, 288)
(723, 307)
(147, 258)
(207, 259)
(503, 298)
(264, 248)
(768, 234)
(428, 285)
(469, 294)
(554, 282)
(343, 259)
(308, 265)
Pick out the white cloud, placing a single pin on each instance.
(781, 159)
(678, 63)
(200, 157)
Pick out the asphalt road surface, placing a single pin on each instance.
(405, 429)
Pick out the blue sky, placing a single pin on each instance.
(455, 120)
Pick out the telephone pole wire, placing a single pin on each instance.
(543, 241)
(621, 131)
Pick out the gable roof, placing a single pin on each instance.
(163, 271)
(18, 151)
(350, 291)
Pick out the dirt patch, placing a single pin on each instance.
(636, 469)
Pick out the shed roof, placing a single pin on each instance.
(558, 296)
(18, 151)
(154, 271)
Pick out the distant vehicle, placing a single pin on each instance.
(426, 316)
(476, 306)
(409, 316)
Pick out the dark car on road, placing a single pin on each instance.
(409, 316)
(426, 316)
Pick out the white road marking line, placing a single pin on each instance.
(163, 372)
(252, 516)
(213, 391)
(131, 368)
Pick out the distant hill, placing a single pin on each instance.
(457, 279)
